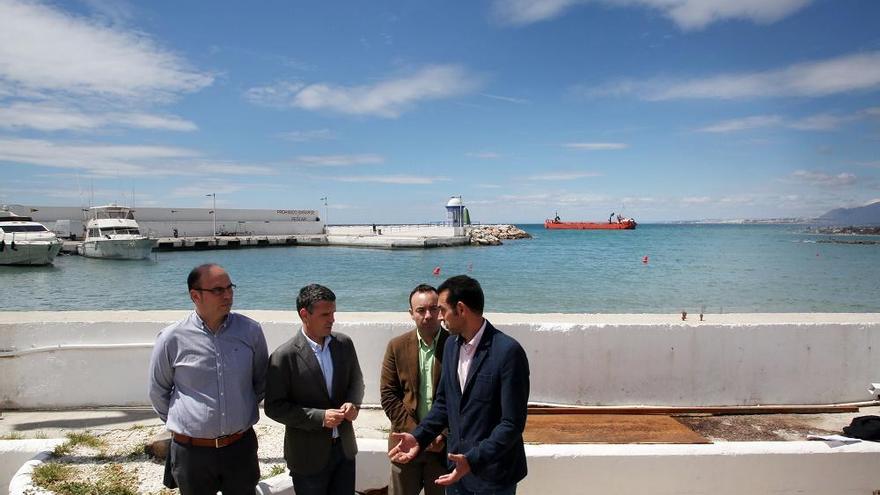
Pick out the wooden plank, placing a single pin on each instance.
(720, 410)
(608, 428)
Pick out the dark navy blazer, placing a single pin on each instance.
(487, 420)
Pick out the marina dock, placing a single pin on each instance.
(380, 237)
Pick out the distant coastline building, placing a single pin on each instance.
(186, 222)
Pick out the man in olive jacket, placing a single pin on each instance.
(410, 374)
(315, 387)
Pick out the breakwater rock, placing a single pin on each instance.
(492, 235)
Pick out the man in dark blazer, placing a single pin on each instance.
(315, 387)
(482, 398)
(408, 385)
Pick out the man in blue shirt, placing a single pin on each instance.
(207, 375)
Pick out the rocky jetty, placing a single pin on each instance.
(492, 235)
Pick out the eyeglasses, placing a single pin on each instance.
(219, 291)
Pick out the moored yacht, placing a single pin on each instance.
(112, 232)
(25, 242)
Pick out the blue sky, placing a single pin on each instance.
(662, 109)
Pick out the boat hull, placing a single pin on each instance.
(30, 253)
(550, 224)
(117, 249)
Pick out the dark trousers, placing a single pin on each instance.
(457, 489)
(410, 478)
(231, 470)
(337, 477)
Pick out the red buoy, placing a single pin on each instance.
(437, 271)
(645, 260)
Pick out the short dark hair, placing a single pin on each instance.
(465, 289)
(420, 288)
(311, 294)
(195, 275)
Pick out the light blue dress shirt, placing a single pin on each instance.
(325, 361)
(208, 385)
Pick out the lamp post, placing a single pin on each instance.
(172, 222)
(324, 199)
(214, 213)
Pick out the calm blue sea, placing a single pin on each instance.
(722, 268)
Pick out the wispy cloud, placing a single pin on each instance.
(486, 155)
(392, 179)
(307, 136)
(816, 122)
(339, 160)
(844, 74)
(49, 117)
(562, 176)
(389, 98)
(596, 146)
(508, 99)
(45, 49)
(687, 14)
(106, 160)
(745, 123)
(824, 180)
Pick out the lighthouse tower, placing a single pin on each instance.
(456, 214)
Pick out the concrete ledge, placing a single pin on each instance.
(607, 360)
(19, 457)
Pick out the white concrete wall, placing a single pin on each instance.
(574, 359)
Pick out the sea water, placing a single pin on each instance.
(713, 268)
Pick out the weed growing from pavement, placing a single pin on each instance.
(275, 470)
(112, 479)
(13, 435)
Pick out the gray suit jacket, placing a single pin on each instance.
(297, 397)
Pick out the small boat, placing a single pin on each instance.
(619, 223)
(25, 242)
(113, 233)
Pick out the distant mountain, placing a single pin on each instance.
(862, 215)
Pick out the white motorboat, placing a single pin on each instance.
(113, 233)
(25, 242)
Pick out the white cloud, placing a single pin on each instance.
(392, 179)
(50, 117)
(508, 99)
(280, 94)
(596, 146)
(44, 49)
(555, 176)
(389, 98)
(200, 190)
(340, 160)
(695, 200)
(816, 122)
(486, 155)
(307, 136)
(753, 122)
(823, 179)
(843, 74)
(105, 160)
(687, 14)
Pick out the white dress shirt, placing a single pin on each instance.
(466, 355)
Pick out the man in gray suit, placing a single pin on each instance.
(315, 387)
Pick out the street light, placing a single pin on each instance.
(214, 213)
(324, 199)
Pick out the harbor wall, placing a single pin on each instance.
(191, 222)
(77, 359)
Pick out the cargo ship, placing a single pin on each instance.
(617, 222)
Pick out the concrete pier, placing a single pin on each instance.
(382, 237)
